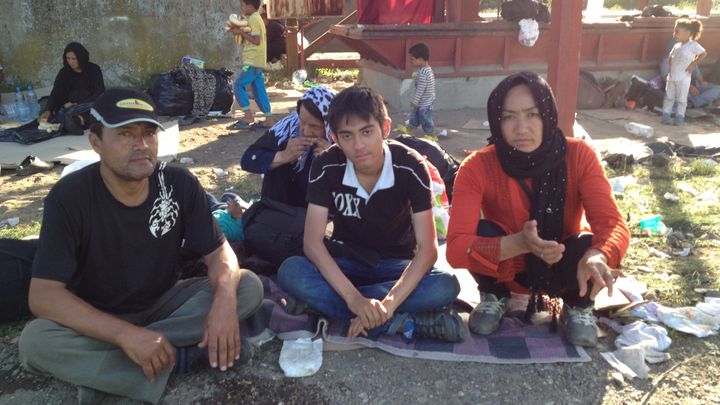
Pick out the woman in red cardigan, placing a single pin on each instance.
(521, 209)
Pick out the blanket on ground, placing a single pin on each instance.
(513, 343)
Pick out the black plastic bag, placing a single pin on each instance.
(516, 10)
(223, 90)
(172, 93)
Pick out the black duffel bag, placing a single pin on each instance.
(16, 257)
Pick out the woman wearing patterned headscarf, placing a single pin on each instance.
(285, 152)
(519, 210)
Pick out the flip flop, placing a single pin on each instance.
(240, 124)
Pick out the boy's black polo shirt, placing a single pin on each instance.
(380, 219)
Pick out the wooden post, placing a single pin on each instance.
(704, 7)
(453, 11)
(641, 4)
(564, 62)
(469, 10)
(291, 45)
(439, 13)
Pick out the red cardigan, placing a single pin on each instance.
(482, 190)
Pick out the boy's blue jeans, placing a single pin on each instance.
(250, 75)
(422, 116)
(300, 278)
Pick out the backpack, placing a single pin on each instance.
(274, 230)
(446, 165)
(16, 257)
(516, 10)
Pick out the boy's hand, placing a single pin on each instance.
(356, 329)
(371, 312)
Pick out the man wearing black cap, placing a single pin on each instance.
(112, 317)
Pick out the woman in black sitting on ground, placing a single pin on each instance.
(76, 87)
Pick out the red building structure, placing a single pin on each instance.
(465, 48)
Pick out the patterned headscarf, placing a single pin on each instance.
(289, 127)
(545, 166)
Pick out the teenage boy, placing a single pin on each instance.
(378, 193)
(254, 59)
(422, 103)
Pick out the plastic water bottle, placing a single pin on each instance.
(32, 102)
(21, 107)
(640, 130)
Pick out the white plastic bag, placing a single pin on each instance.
(529, 32)
(301, 357)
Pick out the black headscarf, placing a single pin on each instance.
(545, 166)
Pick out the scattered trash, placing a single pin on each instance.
(443, 133)
(658, 253)
(640, 130)
(685, 252)
(219, 173)
(10, 222)
(529, 32)
(187, 160)
(671, 197)
(707, 197)
(646, 269)
(682, 186)
(301, 357)
(680, 244)
(618, 184)
(698, 320)
(486, 124)
(299, 76)
(653, 225)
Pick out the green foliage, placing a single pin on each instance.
(703, 167)
(673, 280)
(20, 231)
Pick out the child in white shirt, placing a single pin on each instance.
(684, 57)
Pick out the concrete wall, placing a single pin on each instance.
(130, 39)
(450, 93)
(459, 92)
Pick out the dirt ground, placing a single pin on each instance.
(372, 376)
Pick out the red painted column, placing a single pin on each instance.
(564, 58)
(469, 10)
(704, 7)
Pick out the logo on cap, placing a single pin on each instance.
(134, 103)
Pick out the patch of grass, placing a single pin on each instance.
(703, 167)
(673, 280)
(333, 74)
(20, 231)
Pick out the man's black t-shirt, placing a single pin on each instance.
(121, 259)
(379, 219)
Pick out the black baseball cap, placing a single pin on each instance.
(118, 107)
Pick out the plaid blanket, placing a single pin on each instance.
(513, 343)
